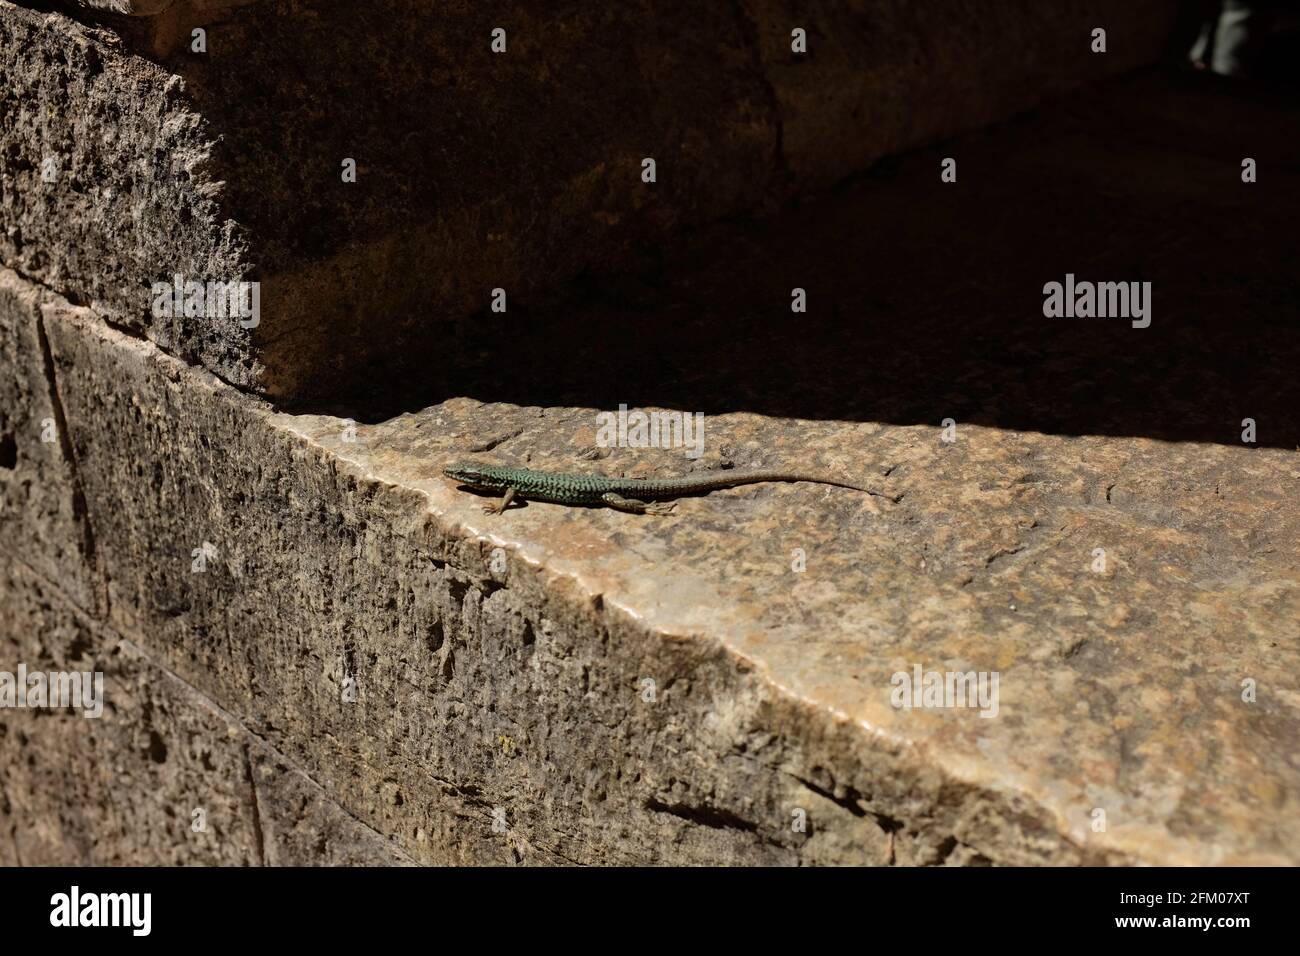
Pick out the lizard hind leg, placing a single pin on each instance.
(635, 507)
(499, 506)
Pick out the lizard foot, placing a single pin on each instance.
(499, 506)
(635, 507)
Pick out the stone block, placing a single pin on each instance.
(163, 777)
(129, 158)
(43, 516)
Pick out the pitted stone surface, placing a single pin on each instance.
(986, 565)
(42, 510)
(162, 778)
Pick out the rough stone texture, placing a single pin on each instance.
(217, 167)
(42, 509)
(122, 789)
(501, 662)
(470, 695)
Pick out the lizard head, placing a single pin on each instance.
(480, 477)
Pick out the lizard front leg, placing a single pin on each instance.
(499, 506)
(635, 507)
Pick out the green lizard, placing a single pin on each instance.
(527, 484)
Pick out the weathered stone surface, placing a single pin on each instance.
(124, 788)
(470, 696)
(218, 167)
(302, 825)
(42, 510)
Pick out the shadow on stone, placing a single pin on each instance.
(925, 300)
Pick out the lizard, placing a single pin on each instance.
(633, 495)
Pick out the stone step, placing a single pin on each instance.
(129, 158)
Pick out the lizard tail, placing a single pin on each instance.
(746, 476)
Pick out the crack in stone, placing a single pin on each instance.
(77, 300)
(892, 826)
(1001, 555)
(715, 818)
(85, 619)
(495, 442)
(258, 836)
(852, 801)
(80, 508)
